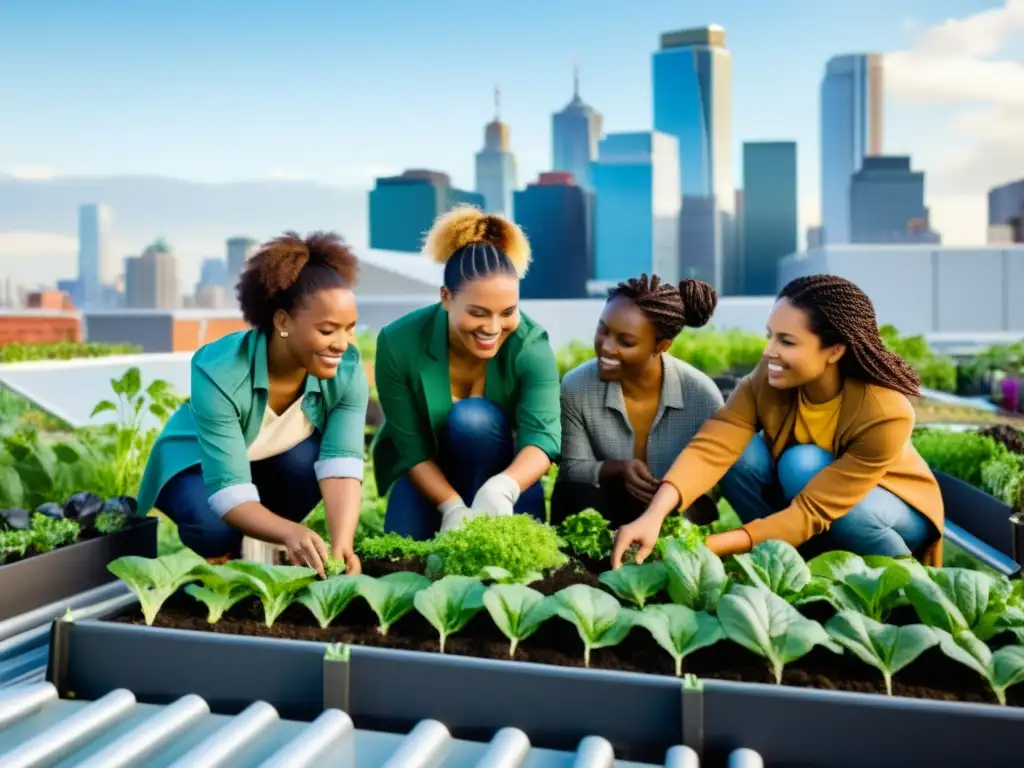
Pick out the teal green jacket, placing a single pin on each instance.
(413, 386)
(222, 417)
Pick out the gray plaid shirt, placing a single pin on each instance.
(595, 427)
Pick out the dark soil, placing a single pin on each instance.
(932, 676)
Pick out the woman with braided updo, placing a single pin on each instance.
(627, 414)
(276, 418)
(813, 447)
(468, 387)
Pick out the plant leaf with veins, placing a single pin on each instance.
(885, 647)
(518, 611)
(450, 603)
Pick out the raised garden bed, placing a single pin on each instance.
(58, 552)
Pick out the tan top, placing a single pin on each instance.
(871, 445)
(280, 433)
(641, 418)
(816, 422)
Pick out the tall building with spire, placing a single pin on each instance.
(496, 165)
(575, 133)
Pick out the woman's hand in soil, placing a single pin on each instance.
(643, 532)
(304, 546)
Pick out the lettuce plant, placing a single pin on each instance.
(766, 624)
(587, 534)
(326, 599)
(599, 618)
(518, 611)
(636, 584)
(696, 576)
(959, 599)
(450, 603)
(517, 543)
(391, 596)
(872, 586)
(1001, 669)
(275, 585)
(885, 647)
(778, 567)
(391, 546)
(501, 576)
(221, 588)
(680, 631)
(156, 579)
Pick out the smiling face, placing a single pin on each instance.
(625, 342)
(320, 330)
(482, 314)
(796, 355)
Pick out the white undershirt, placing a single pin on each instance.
(280, 433)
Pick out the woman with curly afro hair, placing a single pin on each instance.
(813, 448)
(628, 414)
(276, 418)
(468, 388)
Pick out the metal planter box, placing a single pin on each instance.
(640, 715)
(43, 579)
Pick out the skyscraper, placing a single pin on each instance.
(575, 132)
(496, 165)
(96, 267)
(1006, 211)
(402, 208)
(556, 215)
(636, 229)
(239, 251)
(769, 222)
(692, 76)
(887, 203)
(151, 280)
(851, 129)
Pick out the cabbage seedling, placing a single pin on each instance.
(450, 603)
(518, 611)
(156, 579)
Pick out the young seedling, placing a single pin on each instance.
(1001, 670)
(450, 603)
(680, 631)
(156, 579)
(518, 611)
(326, 599)
(636, 584)
(391, 596)
(599, 618)
(275, 585)
(696, 576)
(221, 589)
(885, 647)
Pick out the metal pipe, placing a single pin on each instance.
(222, 745)
(149, 735)
(306, 748)
(423, 747)
(18, 703)
(21, 665)
(43, 615)
(15, 645)
(682, 757)
(60, 740)
(594, 752)
(745, 758)
(508, 749)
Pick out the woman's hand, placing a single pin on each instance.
(645, 529)
(346, 552)
(304, 547)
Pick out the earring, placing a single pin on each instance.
(284, 334)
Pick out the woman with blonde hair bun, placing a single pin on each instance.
(468, 387)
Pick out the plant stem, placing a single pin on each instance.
(679, 666)
(443, 638)
(888, 683)
(1000, 695)
(513, 644)
(586, 654)
(778, 673)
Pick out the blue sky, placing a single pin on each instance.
(340, 91)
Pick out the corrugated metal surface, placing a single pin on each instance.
(36, 728)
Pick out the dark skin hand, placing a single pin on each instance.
(635, 475)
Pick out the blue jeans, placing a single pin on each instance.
(476, 444)
(881, 524)
(287, 485)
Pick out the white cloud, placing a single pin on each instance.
(33, 173)
(967, 68)
(37, 258)
(45, 244)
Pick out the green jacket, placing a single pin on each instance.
(229, 395)
(411, 372)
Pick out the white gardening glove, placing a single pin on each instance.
(454, 513)
(497, 496)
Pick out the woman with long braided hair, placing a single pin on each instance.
(627, 414)
(813, 447)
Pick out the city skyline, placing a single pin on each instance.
(529, 100)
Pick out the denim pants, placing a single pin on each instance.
(881, 524)
(475, 445)
(287, 485)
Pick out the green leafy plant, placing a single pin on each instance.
(677, 527)
(587, 534)
(680, 631)
(766, 624)
(391, 546)
(885, 647)
(961, 599)
(1001, 670)
(391, 596)
(450, 603)
(636, 584)
(275, 585)
(518, 611)
(43, 534)
(517, 543)
(156, 579)
(696, 576)
(501, 576)
(328, 598)
(220, 589)
(778, 567)
(850, 583)
(598, 617)
(960, 454)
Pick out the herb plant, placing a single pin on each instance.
(156, 579)
(450, 603)
(391, 596)
(680, 631)
(518, 611)
(636, 584)
(885, 647)
(599, 618)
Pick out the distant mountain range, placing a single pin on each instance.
(39, 219)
